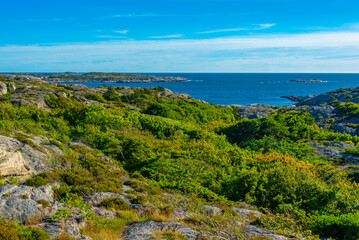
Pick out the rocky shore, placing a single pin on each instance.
(93, 77)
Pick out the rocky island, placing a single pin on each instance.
(312, 80)
(78, 162)
(96, 77)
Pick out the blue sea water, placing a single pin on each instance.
(248, 88)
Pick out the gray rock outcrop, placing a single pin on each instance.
(25, 158)
(3, 88)
(254, 111)
(12, 164)
(247, 214)
(20, 202)
(11, 86)
(252, 231)
(144, 230)
(96, 198)
(211, 210)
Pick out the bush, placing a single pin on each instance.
(95, 97)
(10, 231)
(338, 227)
(111, 94)
(115, 203)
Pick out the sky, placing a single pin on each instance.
(260, 36)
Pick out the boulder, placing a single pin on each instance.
(247, 214)
(20, 203)
(14, 208)
(340, 145)
(71, 227)
(144, 230)
(35, 161)
(323, 112)
(139, 208)
(44, 193)
(179, 214)
(343, 128)
(96, 198)
(252, 231)
(63, 94)
(318, 100)
(3, 88)
(103, 212)
(255, 111)
(12, 164)
(11, 86)
(211, 211)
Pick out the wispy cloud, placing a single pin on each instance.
(257, 27)
(223, 30)
(168, 36)
(122, 31)
(151, 14)
(49, 19)
(139, 15)
(310, 52)
(264, 26)
(111, 36)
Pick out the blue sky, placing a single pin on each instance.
(179, 36)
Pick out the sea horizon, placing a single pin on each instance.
(247, 88)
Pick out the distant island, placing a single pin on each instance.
(97, 77)
(312, 80)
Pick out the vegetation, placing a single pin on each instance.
(13, 231)
(197, 150)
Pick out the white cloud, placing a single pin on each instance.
(110, 36)
(122, 31)
(265, 25)
(259, 27)
(138, 15)
(168, 36)
(311, 52)
(223, 30)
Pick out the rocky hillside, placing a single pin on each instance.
(148, 163)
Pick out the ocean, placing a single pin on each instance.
(248, 88)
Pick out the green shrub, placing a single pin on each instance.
(96, 97)
(115, 203)
(111, 94)
(60, 214)
(41, 179)
(339, 227)
(10, 231)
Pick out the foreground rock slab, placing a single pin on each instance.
(144, 230)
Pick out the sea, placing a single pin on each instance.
(248, 88)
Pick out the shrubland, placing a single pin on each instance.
(197, 150)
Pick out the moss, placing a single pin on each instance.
(168, 235)
(44, 203)
(167, 210)
(24, 197)
(115, 203)
(140, 199)
(138, 176)
(143, 187)
(27, 139)
(64, 237)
